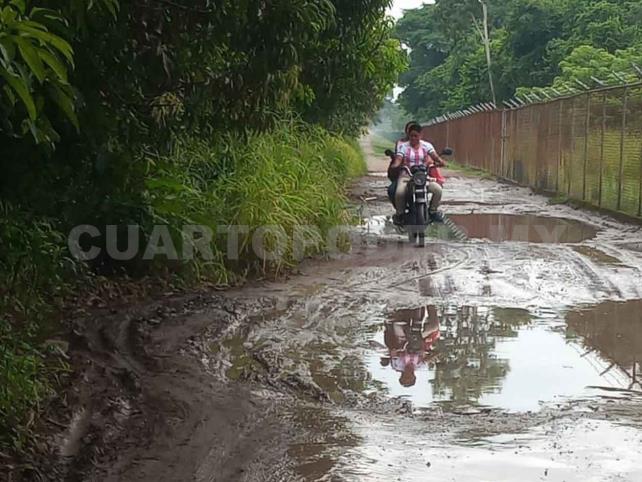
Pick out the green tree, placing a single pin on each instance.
(533, 43)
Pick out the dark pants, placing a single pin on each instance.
(398, 195)
(391, 192)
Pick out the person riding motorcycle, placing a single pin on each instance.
(412, 153)
(393, 174)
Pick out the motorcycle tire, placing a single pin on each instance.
(420, 219)
(410, 227)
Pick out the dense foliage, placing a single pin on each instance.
(116, 112)
(534, 43)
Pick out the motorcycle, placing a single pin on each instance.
(416, 219)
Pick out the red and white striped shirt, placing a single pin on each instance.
(415, 156)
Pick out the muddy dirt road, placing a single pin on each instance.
(507, 349)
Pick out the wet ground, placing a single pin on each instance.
(508, 349)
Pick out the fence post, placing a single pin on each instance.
(503, 145)
(448, 132)
(569, 168)
(640, 188)
(621, 176)
(559, 147)
(603, 133)
(586, 142)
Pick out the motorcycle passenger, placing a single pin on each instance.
(413, 153)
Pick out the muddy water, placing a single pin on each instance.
(495, 393)
(556, 451)
(525, 227)
(458, 358)
(475, 373)
(614, 330)
(499, 228)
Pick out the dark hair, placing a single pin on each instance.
(410, 124)
(415, 128)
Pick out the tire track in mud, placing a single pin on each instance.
(414, 265)
(151, 411)
(594, 277)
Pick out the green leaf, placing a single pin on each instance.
(8, 15)
(30, 55)
(54, 64)
(50, 19)
(8, 48)
(10, 95)
(65, 102)
(48, 38)
(20, 5)
(20, 87)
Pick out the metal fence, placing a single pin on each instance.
(586, 146)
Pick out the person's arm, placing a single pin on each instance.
(432, 158)
(437, 159)
(400, 153)
(395, 167)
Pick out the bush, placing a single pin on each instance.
(23, 382)
(36, 273)
(290, 177)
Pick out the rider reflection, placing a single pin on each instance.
(410, 337)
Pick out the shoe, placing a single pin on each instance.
(397, 220)
(436, 217)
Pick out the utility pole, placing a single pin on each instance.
(486, 39)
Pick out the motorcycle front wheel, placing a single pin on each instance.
(417, 227)
(421, 226)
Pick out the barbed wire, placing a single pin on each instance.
(541, 95)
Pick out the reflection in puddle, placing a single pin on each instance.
(526, 228)
(487, 357)
(615, 330)
(410, 336)
(456, 362)
(459, 358)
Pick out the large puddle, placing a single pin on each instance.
(510, 359)
(467, 361)
(458, 358)
(524, 228)
(497, 228)
(542, 370)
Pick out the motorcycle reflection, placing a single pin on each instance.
(410, 336)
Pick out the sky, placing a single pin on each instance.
(398, 6)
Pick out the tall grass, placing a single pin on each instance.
(35, 274)
(290, 178)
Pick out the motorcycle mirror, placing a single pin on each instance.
(447, 152)
(388, 153)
